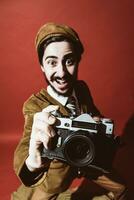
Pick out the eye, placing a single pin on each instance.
(51, 62)
(69, 61)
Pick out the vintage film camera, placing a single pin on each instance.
(82, 142)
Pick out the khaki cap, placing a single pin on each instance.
(51, 30)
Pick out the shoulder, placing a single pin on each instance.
(80, 84)
(82, 88)
(36, 102)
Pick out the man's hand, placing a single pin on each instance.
(96, 118)
(42, 133)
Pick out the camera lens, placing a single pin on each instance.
(78, 150)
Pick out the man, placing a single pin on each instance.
(59, 50)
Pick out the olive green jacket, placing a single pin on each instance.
(56, 176)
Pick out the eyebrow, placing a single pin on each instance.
(50, 57)
(65, 56)
(69, 55)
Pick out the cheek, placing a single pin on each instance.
(48, 73)
(72, 70)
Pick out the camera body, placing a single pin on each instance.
(82, 142)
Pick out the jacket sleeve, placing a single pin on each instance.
(21, 153)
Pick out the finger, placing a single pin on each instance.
(39, 125)
(49, 130)
(44, 128)
(49, 118)
(97, 119)
(44, 138)
(50, 108)
(44, 117)
(40, 137)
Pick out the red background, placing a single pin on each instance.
(107, 32)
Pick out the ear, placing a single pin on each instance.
(42, 68)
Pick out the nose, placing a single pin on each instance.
(61, 70)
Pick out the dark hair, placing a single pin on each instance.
(76, 47)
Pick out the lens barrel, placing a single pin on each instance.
(79, 149)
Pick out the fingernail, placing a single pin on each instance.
(51, 119)
(46, 147)
(57, 107)
(52, 133)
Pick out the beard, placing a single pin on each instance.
(70, 79)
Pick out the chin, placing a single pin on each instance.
(65, 92)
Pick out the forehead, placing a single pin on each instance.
(58, 48)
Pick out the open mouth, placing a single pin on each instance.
(62, 84)
(60, 81)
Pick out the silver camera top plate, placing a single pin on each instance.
(83, 122)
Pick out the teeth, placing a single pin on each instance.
(60, 81)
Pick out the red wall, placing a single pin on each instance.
(107, 31)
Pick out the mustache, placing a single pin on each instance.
(67, 77)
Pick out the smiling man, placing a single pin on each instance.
(59, 50)
(60, 67)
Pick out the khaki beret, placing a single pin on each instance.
(51, 30)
